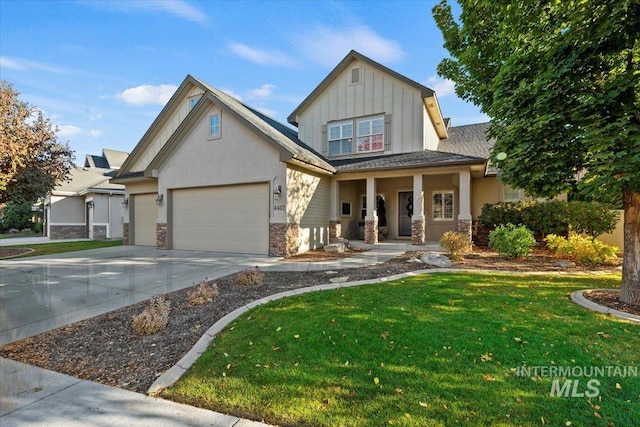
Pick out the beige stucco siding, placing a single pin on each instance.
(378, 93)
(484, 190)
(67, 210)
(162, 135)
(239, 156)
(308, 206)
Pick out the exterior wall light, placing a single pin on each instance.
(125, 202)
(277, 192)
(159, 199)
(90, 203)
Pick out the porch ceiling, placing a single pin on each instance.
(420, 159)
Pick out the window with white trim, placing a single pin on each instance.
(442, 205)
(193, 101)
(340, 138)
(370, 134)
(512, 194)
(214, 125)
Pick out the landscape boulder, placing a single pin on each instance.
(435, 259)
(335, 247)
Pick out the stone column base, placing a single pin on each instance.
(418, 232)
(465, 226)
(125, 233)
(371, 230)
(99, 232)
(335, 229)
(283, 239)
(161, 236)
(67, 232)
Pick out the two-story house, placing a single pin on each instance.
(373, 158)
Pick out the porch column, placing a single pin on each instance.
(418, 219)
(371, 219)
(335, 227)
(464, 215)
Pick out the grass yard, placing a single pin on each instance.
(433, 350)
(19, 234)
(60, 247)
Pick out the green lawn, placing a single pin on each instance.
(433, 350)
(60, 247)
(19, 234)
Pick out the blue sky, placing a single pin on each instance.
(102, 70)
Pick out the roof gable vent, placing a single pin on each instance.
(355, 75)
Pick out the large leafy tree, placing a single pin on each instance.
(561, 83)
(32, 161)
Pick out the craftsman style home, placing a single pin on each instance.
(373, 158)
(87, 205)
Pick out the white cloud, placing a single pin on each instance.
(261, 57)
(268, 111)
(67, 131)
(263, 91)
(94, 133)
(147, 94)
(27, 65)
(178, 8)
(442, 87)
(327, 46)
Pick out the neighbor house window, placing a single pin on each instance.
(442, 205)
(214, 126)
(512, 194)
(370, 134)
(340, 138)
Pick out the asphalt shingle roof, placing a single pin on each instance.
(425, 158)
(81, 178)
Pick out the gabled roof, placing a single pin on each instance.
(417, 159)
(278, 134)
(341, 67)
(469, 140)
(83, 180)
(110, 159)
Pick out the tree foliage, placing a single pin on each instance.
(32, 161)
(561, 83)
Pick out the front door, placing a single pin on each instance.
(405, 212)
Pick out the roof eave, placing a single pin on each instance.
(429, 166)
(435, 114)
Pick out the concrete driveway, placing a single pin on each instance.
(39, 294)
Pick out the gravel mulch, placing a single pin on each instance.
(105, 349)
(12, 252)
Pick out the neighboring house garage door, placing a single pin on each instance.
(225, 219)
(145, 212)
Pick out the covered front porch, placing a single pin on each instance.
(410, 207)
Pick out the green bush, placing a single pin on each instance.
(552, 217)
(584, 249)
(512, 241)
(456, 244)
(17, 215)
(37, 227)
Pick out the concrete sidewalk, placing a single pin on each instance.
(108, 279)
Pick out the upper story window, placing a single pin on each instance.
(340, 138)
(370, 134)
(214, 125)
(442, 206)
(193, 101)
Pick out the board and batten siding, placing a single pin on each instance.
(308, 206)
(163, 134)
(377, 93)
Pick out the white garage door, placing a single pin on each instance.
(145, 212)
(225, 219)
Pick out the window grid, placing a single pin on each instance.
(340, 138)
(370, 134)
(442, 205)
(214, 125)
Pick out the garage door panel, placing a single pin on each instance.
(145, 212)
(225, 219)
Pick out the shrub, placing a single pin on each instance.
(154, 318)
(250, 277)
(37, 227)
(456, 244)
(17, 215)
(204, 293)
(552, 217)
(512, 241)
(584, 249)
